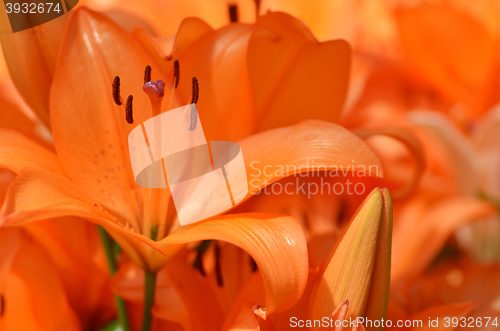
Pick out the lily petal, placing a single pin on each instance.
(458, 148)
(182, 294)
(450, 49)
(246, 321)
(15, 112)
(190, 30)
(274, 154)
(18, 152)
(32, 71)
(301, 309)
(219, 61)
(326, 19)
(204, 312)
(251, 295)
(38, 194)
(276, 74)
(74, 247)
(414, 147)
(486, 136)
(294, 77)
(275, 242)
(33, 300)
(420, 220)
(90, 131)
(165, 16)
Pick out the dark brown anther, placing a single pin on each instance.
(177, 73)
(2, 305)
(147, 74)
(116, 91)
(195, 91)
(199, 262)
(218, 270)
(194, 99)
(128, 110)
(253, 264)
(233, 13)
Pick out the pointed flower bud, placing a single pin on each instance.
(358, 268)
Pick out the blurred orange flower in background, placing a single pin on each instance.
(410, 90)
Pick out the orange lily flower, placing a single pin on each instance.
(424, 217)
(53, 275)
(452, 70)
(70, 287)
(474, 162)
(184, 297)
(446, 199)
(90, 176)
(435, 54)
(32, 72)
(21, 289)
(399, 309)
(255, 74)
(459, 280)
(366, 238)
(454, 52)
(279, 76)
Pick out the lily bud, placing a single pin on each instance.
(358, 268)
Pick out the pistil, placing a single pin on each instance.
(155, 91)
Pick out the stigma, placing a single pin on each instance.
(155, 91)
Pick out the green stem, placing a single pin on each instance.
(489, 199)
(149, 298)
(120, 304)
